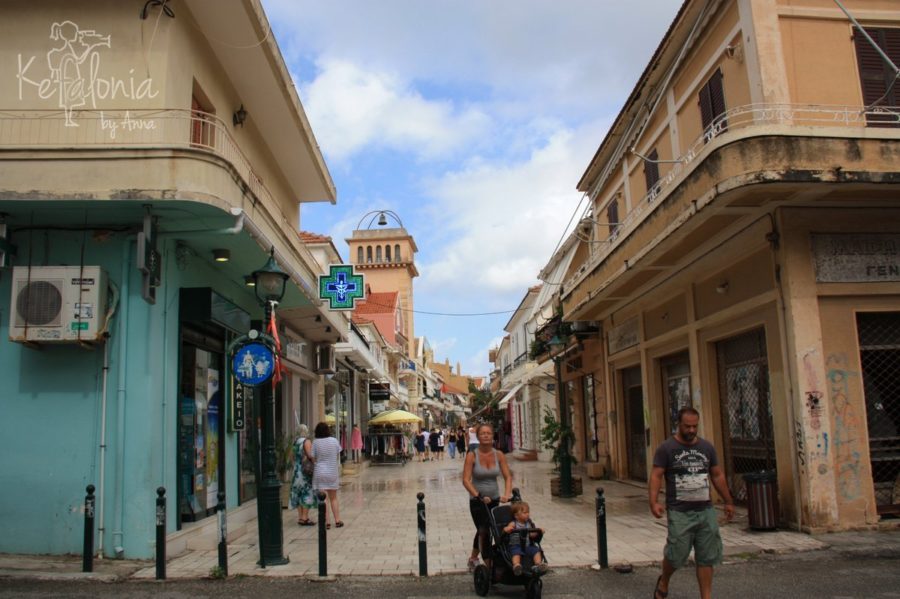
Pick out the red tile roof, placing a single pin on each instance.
(308, 237)
(378, 303)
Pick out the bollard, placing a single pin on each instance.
(161, 533)
(223, 535)
(87, 556)
(602, 555)
(423, 548)
(323, 547)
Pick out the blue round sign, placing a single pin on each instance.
(253, 364)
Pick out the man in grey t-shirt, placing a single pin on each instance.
(689, 464)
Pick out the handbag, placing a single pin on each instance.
(307, 466)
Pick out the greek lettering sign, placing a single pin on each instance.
(253, 364)
(856, 258)
(341, 287)
(239, 407)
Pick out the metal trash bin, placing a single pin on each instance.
(762, 499)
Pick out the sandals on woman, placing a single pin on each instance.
(658, 593)
(305, 522)
(339, 524)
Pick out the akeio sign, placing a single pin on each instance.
(71, 74)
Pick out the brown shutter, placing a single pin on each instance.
(612, 216)
(717, 98)
(651, 170)
(875, 75)
(706, 113)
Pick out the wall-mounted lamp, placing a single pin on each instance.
(249, 281)
(221, 255)
(735, 52)
(722, 288)
(239, 116)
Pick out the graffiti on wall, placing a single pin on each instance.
(847, 427)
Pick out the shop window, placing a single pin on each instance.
(676, 373)
(712, 106)
(876, 76)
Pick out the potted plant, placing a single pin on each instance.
(553, 435)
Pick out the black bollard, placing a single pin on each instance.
(161, 533)
(423, 548)
(87, 556)
(602, 555)
(323, 547)
(223, 535)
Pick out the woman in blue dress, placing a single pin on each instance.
(303, 497)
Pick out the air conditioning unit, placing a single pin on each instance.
(325, 359)
(57, 304)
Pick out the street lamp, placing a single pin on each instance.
(269, 283)
(557, 347)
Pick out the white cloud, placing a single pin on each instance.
(352, 108)
(502, 221)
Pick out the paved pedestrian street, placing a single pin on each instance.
(378, 507)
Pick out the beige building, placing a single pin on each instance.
(742, 255)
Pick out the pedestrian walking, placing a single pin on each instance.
(441, 443)
(473, 438)
(451, 443)
(326, 451)
(433, 443)
(303, 497)
(480, 472)
(688, 464)
(420, 445)
(461, 437)
(426, 436)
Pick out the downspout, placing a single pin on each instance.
(121, 392)
(101, 486)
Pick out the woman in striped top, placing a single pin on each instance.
(326, 452)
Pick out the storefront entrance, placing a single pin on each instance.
(879, 353)
(634, 423)
(746, 408)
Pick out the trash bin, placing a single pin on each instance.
(762, 499)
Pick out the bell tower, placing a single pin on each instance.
(386, 255)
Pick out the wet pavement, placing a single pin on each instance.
(378, 507)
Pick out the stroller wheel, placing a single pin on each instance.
(482, 580)
(533, 590)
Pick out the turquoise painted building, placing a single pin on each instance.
(129, 222)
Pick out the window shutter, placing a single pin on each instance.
(875, 76)
(706, 113)
(651, 172)
(717, 98)
(612, 216)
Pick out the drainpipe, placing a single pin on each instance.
(121, 392)
(101, 494)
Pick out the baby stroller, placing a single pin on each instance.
(501, 569)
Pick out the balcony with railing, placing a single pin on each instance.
(745, 146)
(119, 131)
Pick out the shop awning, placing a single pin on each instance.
(509, 396)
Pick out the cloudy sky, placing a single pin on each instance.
(471, 119)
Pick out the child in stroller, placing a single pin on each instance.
(522, 543)
(502, 567)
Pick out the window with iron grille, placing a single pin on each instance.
(746, 408)
(651, 172)
(876, 77)
(712, 106)
(879, 353)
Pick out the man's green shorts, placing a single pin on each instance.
(697, 530)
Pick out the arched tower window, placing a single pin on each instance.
(368, 253)
(387, 253)
(377, 253)
(359, 255)
(397, 253)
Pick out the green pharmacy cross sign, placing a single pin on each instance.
(341, 287)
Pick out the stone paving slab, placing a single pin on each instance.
(378, 507)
